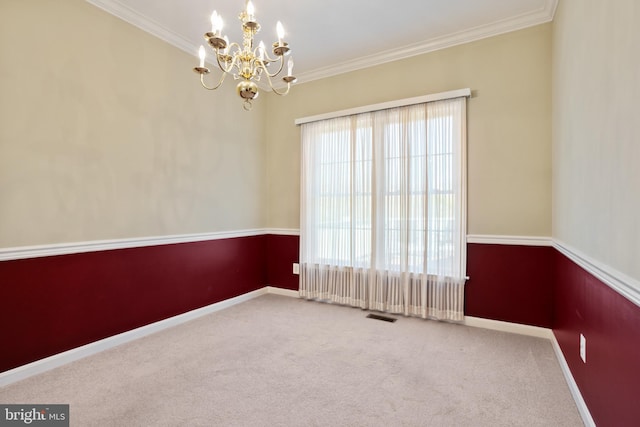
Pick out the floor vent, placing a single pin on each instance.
(383, 318)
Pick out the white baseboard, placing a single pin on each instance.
(539, 332)
(60, 359)
(514, 328)
(57, 360)
(573, 386)
(283, 292)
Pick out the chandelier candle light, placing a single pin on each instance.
(247, 63)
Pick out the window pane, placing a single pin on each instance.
(385, 183)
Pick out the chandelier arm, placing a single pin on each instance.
(281, 93)
(268, 58)
(273, 87)
(204, 85)
(268, 77)
(264, 68)
(231, 63)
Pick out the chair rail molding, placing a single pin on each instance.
(22, 252)
(626, 286)
(509, 240)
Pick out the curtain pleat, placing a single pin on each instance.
(383, 210)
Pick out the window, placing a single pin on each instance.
(383, 193)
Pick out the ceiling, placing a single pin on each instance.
(330, 37)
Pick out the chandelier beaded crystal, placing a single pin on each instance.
(247, 63)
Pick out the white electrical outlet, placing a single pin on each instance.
(296, 268)
(583, 348)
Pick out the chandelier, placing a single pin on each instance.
(247, 63)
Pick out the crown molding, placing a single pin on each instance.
(121, 10)
(540, 16)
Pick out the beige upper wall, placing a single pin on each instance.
(596, 144)
(112, 137)
(106, 133)
(509, 128)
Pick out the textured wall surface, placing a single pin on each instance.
(281, 253)
(596, 178)
(106, 133)
(57, 303)
(510, 283)
(112, 137)
(509, 127)
(596, 208)
(610, 379)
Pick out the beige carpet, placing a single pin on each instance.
(283, 361)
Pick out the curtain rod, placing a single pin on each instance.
(459, 93)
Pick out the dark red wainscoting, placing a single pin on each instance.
(53, 304)
(610, 380)
(510, 283)
(282, 252)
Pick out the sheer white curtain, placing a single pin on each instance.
(383, 221)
